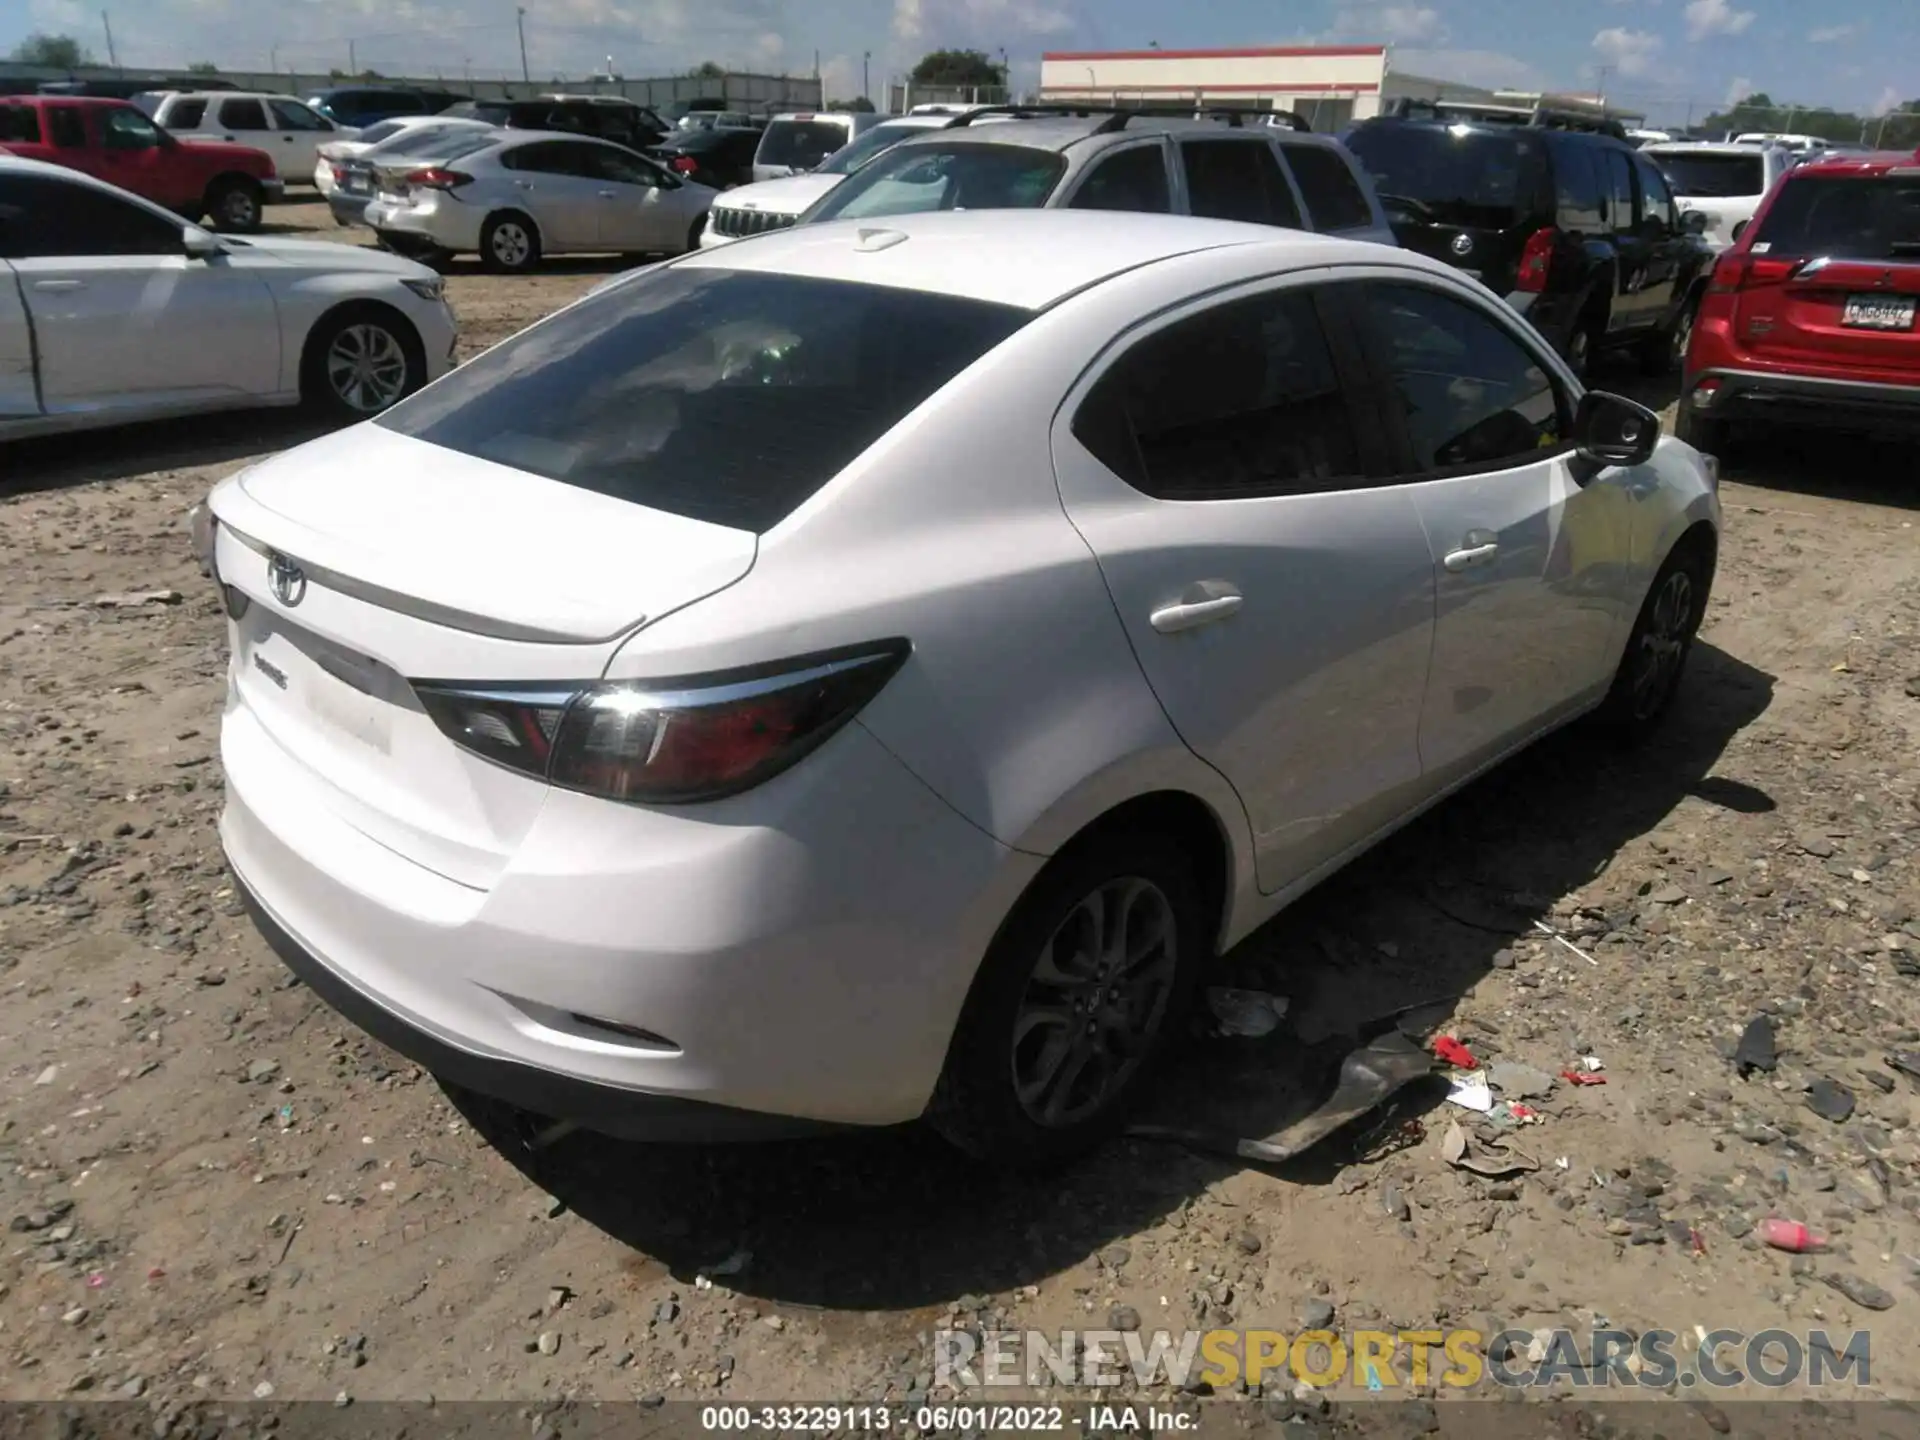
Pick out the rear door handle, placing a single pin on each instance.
(1479, 547)
(609, 194)
(1172, 619)
(57, 287)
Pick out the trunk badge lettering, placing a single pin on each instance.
(287, 581)
(1462, 245)
(270, 670)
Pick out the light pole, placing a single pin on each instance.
(866, 83)
(1006, 76)
(520, 20)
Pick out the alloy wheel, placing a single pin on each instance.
(238, 211)
(1578, 345)
(1682, 337)
(1663, 645)
(367, 368)
(1095, 1003)
(511, 244)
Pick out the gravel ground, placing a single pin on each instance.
(218, 1190)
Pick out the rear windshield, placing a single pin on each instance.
(849, 158)
(1450, 173)
(385, 130)
(19, 123)
(1704, 175)
(430, 142)
(950, 176)
(801, 144)
(728, 396)
(1846, 217)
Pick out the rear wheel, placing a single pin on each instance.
(693, 233)
(359, 361)
(1582, 340)
(236, 204)
(1662, 639)
(1665, 350)
(1088, 981)
(509, 244)
(1700, 432)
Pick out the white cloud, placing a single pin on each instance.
(840, 77)
(1631, 52)
(1827, 34)
(909, 22)
(977, 22)
(1739, 90)
(1888, 102)
(1715, 17)
(1391, 24)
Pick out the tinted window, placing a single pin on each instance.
(1656, 201)
(65, 128)
(1334, 198)
(1472, 395)
(1867, 218)
(1619, 191)
(1452, 175)
(185, 114)
(289, 115)
(1242, 400)
(1579, 187)
(385, 130)
(19, 124)
(42, 218)
(725, 396)
(127, 129)
(550, 157)
(1238, 180)
(1132, 179)
(947, 176)
(603, 162)
(243, 115)
(801, 144)
(850, 157)
(1710, 176)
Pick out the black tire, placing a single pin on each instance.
(1665, 350)
(1583, 342)
(1656, 655)
(1699, 431)
(694, 232)
(977, 1105)
(236, 204)
(509, 243)
(384, 338)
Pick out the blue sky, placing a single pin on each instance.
(1661, 55)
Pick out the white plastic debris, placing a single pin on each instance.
(1471, 1092)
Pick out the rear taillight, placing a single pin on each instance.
(1749, 272)
(664, 742)
(685, 164)
(1536, 261)
(434, 178)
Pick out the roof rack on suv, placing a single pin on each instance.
(1117, 116)
(1543, 114)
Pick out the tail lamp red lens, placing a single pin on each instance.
(436, 178)
(685, 164)
(672, 742)
(1734, 273)
(1536, 261)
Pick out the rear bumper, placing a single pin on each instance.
(348, 209)
(1756, 395)
(274, 189)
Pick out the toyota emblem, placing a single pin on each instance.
(287, 581)
(1463, 244)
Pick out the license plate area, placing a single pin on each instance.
(332, 690)
(1877, 312)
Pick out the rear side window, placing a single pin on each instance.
(53, 219)
(1334, 198)
(1450, 174)
(243, 115)
(291, 115)
(19, 124)
(1241, 400)
(1619, 191)
(1238, 180)
(550, 157)
(724, 396)
(1471, 394)
(185, 115)
(1656, 201)
(1579, 187)
(1710, 175)
(66, 128)
(801, 144)
(1131, 179)
(1848, 218)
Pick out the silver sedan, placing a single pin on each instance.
(536, 193)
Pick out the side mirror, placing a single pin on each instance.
(1694, 222)
(198, 244)
(1613, 430)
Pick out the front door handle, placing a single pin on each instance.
(609, 194)
(58, 287)
(1187, 614)
(1480, 547)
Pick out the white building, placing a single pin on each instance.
(1330, 85)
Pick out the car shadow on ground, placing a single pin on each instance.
(894, 1221)
(1864, 469)
(128, 450)
(560, 265)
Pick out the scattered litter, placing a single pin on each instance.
(45, 1077)
(1696, 1242)
(1471, 1092)
(96, 1281)
(156, 1273)
(1523, 1114)
(1369, 1076)
(1756, 1050)
(1789, 1235)
(1248, 1013)
(137, 598)
(1563, 1163)
(1521, 1081)
(1592, 1064)
(1449, 1051)
(1561, 940)
(1457, 1150)
(1582, 1077)
(286, 1116)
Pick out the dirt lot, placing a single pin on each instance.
(216, 1187)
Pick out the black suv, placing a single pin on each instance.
(607, 116)
(1576, 228)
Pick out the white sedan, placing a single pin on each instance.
(325, 172)
(873, 672)
(536, 193)
(114, 310)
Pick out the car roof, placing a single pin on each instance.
(1867, 164)
(230, 95)
(96, 102)
(1062, 132)
(1714, 147)
(1026, 258)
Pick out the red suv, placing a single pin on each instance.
(1809, 318)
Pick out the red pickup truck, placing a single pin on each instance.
(115, 141)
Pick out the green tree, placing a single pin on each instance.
(960, 68)
(708, 70)
(859, 105)
(59, 52)
(203, 67)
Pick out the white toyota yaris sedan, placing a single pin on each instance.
(870, 673)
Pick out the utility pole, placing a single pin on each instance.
(353, 61)
(1600, 77)
(866, 84)
(106, 22)
(520, 19)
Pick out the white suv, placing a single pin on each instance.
(775, 204)
(1724, 182)
(289, 130)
